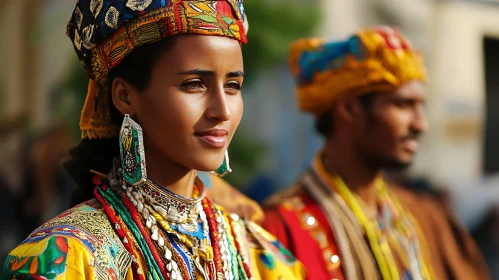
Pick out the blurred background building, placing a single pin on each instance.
(42, 88)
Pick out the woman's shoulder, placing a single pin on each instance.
(85, 222)
(268, 258)
(78, 243)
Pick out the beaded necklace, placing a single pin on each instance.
(151, 255)
(179, 210)
(244, 269)
(396, 232)
(119, 226)
(213, 250)
(406, 224)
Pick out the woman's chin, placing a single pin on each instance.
(208, 167)
(205, 162)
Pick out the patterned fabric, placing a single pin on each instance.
(452, 252)
(78, 244)
(373, 60)
(316, 202)
(104, 32)
(301, 225)
(55, 253)
(269, 258)
(82, 244)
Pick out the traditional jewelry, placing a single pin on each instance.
(180, 238)
(391, 234)
(224, 169)
(133, 161)
(174, 208)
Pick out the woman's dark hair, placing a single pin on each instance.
(324, 123)
(98, 154)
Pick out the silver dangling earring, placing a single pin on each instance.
(224, 169)
(133, 161)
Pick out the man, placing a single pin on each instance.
(340, 218)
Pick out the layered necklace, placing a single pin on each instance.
(394, 236)
(177, 237)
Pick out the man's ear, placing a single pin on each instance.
(347, 108)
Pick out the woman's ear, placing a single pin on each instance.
(120, 93)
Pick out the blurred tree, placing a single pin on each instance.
(68, 96)
(273, 26)
(245, 153)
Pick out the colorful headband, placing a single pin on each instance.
(373, 60)
(104, 32)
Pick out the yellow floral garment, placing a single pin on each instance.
(82, 244)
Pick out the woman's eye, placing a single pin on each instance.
(192, 85)
(233, 86)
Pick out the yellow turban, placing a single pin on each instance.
(373, 60)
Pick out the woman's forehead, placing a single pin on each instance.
(203, 53)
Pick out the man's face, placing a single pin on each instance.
(393, 123)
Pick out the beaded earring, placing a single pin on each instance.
(133, 161)
(224, 169)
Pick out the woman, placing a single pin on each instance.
(170, 72)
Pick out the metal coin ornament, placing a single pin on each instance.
(224, 169)
(133, 161)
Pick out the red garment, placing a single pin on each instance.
(290, 224)
(453, 254)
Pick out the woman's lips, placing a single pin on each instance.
(214, 137)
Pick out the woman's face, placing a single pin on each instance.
(192, 105)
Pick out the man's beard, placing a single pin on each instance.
(386, 162)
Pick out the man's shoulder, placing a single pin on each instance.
(411, 197)
(285, 197)
(429, 210)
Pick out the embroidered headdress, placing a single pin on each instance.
(104, 32)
